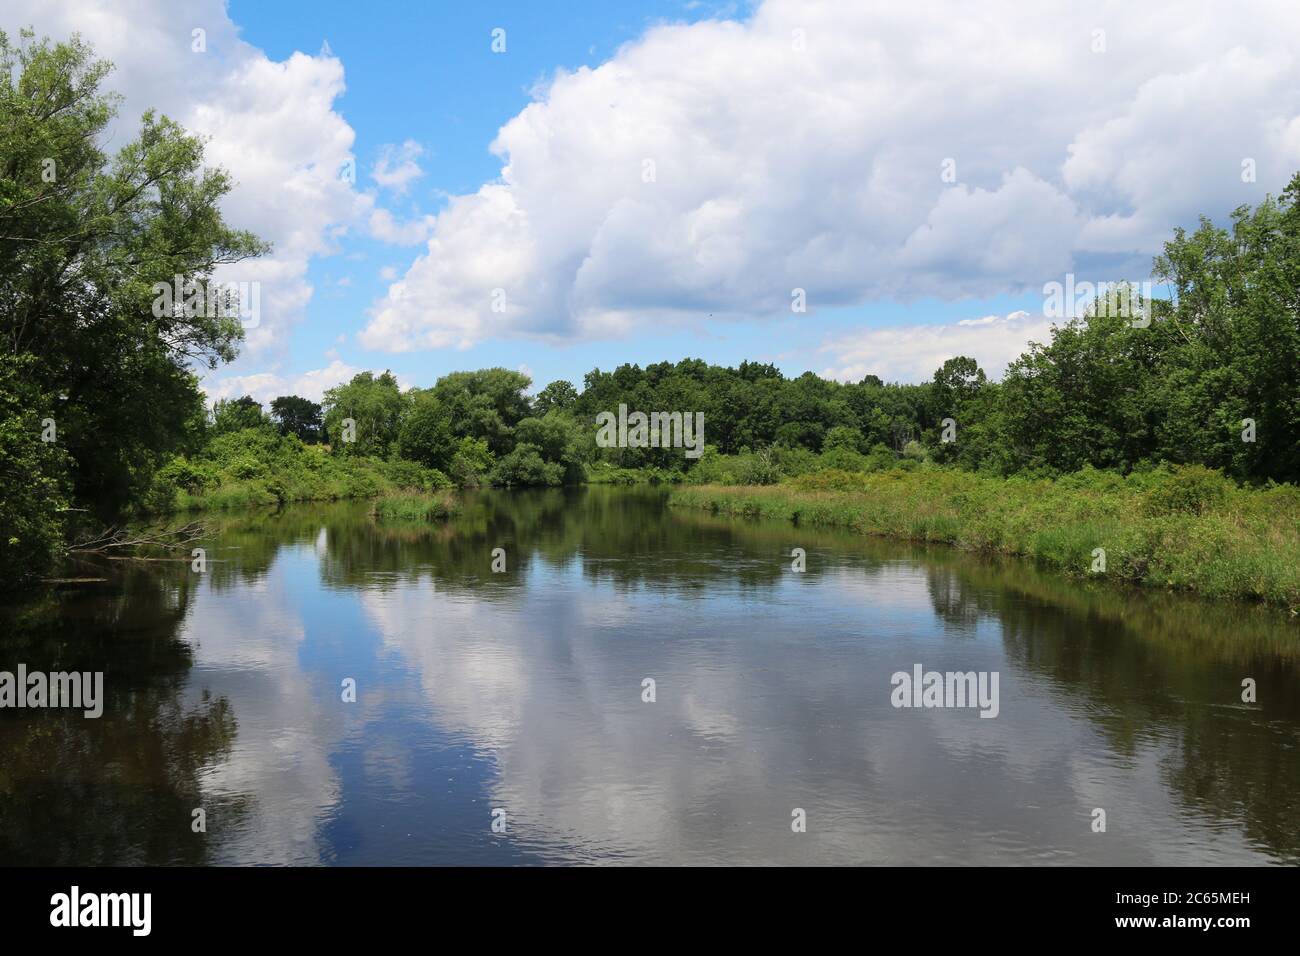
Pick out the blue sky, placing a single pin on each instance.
(426, 72)
(647, 181)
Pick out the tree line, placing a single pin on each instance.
(98, 392)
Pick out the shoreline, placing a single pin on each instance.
(1237, 546)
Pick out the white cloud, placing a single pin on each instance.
(385, 228)
(911, 353)
(271, 124)
(775, 168)
(396, 167)
(265, 386)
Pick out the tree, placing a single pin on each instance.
(84, 240)
(374, 405)
(298, 416)
(955, 385)
(425, 434)
(34, 482)
(471, 463)
(560, 440)
(524, 465)
(956, 382)
(1233, 334)
(486, 404)
(232, 415)
(558, 396)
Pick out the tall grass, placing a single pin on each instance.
(415, 506)
(1184, 527)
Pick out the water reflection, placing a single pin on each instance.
(522, 691)
(120, 788)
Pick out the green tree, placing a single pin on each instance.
(485, 404)
(34, 483)
(374, 404)
(472, 462)
(236, 414)
(526, 466)
(299, 416)
(558, 396)
(85, 242)
(425, 434)
(560, 440)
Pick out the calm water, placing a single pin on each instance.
(523, 691)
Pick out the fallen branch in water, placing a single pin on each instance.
(181, 560)
(119, 539)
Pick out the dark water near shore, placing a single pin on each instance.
(523, 691)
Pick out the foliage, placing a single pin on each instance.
(258, 467)
(1183, 527)
(425, 433)
(412, 506)
(299, 416)
(486, 404)
(233, 415)
(84, 238)
(471, 462)
(374, 405)
(524, 465)
(33, 475)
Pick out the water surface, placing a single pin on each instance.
(522, 691)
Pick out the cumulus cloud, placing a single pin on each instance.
(716, 166)
(911, 353)
(272, 124)
(386, 228)
(397, 166)
(265, 386)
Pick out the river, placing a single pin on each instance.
(640, 684)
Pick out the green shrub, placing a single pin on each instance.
(471, 463)
(524, 466)
(412, 476)
(1187, 489)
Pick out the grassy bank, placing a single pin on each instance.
(415, 506)
(1186, 528)
(257, 468)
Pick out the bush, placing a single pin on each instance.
(525, 466)
(1187, 489)
(759, 469)
(256, 467)
(412, 476)
(471, 462)
(880, 458)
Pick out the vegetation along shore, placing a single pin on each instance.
(1162, 449)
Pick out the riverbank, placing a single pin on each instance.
(1186, 528)
(256, 468)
